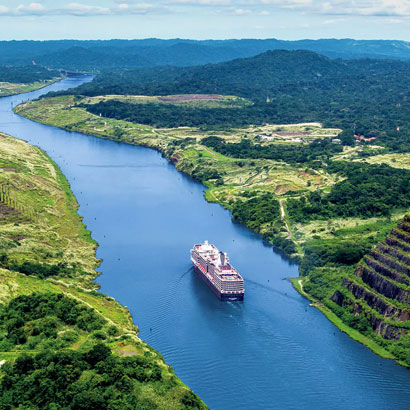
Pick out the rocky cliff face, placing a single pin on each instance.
(379, 292)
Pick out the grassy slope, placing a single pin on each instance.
(195, 100)
(39, 223)
(7, 89)
(240, 177)
(43, 199)
(393, 160)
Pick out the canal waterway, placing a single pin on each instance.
(273, 351)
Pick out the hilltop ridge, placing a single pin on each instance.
(101, 54)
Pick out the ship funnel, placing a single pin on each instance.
(206, 243)
(222, 255)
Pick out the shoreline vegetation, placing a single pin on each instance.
(55, 328)
(268, 191)
(332, 317)
(8, 89)
(23, 79)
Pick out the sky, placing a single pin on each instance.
(204, 19)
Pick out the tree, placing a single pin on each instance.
(98, 353)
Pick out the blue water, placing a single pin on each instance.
(273, 351)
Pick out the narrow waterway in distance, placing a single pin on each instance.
(273, 351)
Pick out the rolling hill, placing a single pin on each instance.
(69, 54)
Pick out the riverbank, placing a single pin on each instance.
(228, 180)
(46, 253)
(7, 89)
(249, 187)
(332, 317)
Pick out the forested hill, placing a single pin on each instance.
(97, 54)
(254, 78)
(26, 74)
(368, 96)
(259, 77)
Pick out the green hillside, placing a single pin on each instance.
(365, 97)
(21, 79)
(63, 345)
(374, 298)
(321, 202)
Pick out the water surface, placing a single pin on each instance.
(273, 351)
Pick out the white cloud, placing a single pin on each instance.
(285, 3)
(23, 10)
(78, 9)
(138, 8)
(241, 12)
(201, 2)
(348, 7)
(4, 10)
(188, 3)
(327, 7)
(330, 22)
(81, 9)
(366, 8)
(387, 8)
(336, 7)
(32, 7)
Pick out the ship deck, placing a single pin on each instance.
(211, 254)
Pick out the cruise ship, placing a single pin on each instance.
(214, 269)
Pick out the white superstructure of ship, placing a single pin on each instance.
(215, 270)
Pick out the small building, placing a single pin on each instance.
(363, 138)
(265, 136)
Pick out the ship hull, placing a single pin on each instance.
(221, 296)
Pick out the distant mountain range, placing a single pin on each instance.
(95, 55)
(269, 74)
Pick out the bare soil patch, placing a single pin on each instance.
(190, 97)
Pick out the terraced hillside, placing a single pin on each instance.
(378, 294)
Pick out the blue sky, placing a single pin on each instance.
(204, 19)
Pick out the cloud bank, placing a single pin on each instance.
(391, 8)
(80, 9)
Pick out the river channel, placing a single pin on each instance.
(273, 351)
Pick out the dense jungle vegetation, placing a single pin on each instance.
(368, 190)
(45, 319)
(26, 74)
(367, 96)
(172, 116)
(93, 378)
(319, 149)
